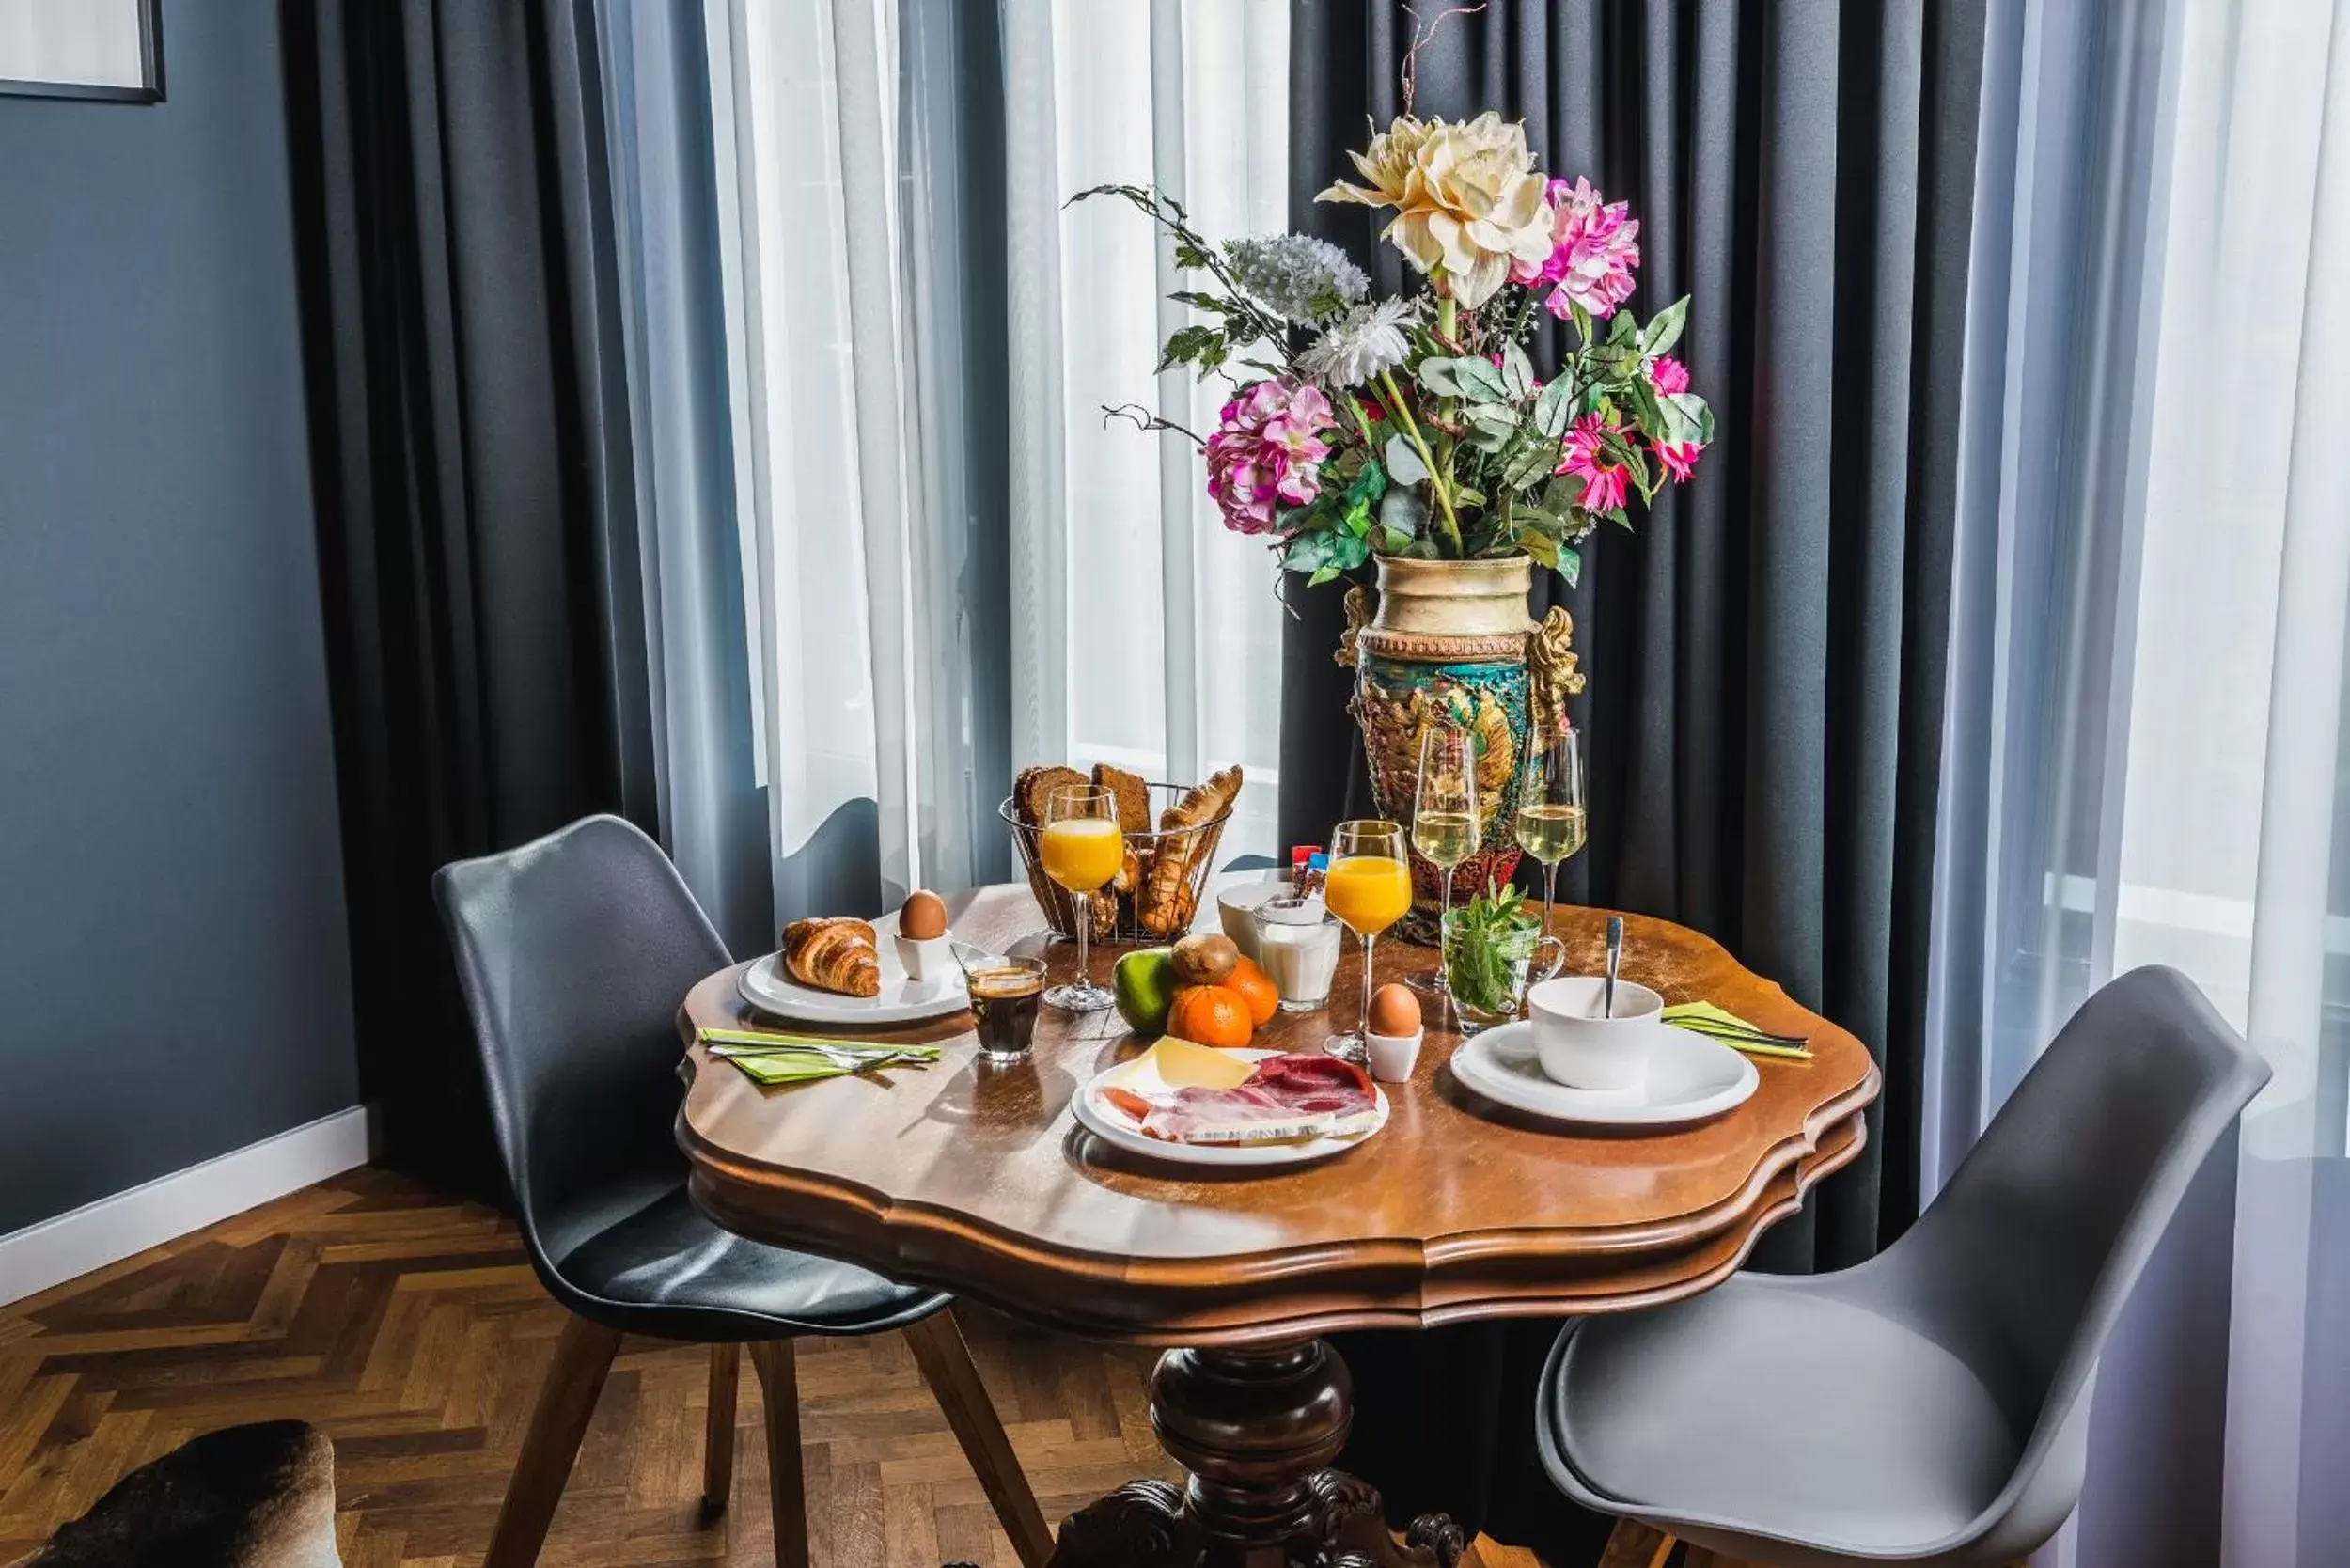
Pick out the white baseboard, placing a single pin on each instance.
(90, 1237)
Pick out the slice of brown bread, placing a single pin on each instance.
(1134, 796)
(1034, 789)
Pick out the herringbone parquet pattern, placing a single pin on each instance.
(411, 1330)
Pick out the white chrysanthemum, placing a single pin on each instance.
(1296, 276)
(1365, 344)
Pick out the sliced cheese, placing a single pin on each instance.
(1181, 1063)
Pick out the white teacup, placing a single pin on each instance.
(1579, 1048)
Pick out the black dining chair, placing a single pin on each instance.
(574, 953)
(1929, 1406)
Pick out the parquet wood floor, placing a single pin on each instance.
(410, 1329)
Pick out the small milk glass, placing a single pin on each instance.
(1297, 947)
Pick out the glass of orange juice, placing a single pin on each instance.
(1081, 848)
(1369, 887)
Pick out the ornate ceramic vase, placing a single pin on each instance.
(1452, 642)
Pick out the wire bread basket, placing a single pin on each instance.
(1156, 892)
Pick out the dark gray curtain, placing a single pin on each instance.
(1766, 653)
(468, 427)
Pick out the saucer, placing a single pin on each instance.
(1690, 1079)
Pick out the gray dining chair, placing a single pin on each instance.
(1929, 1406)
(575, 953)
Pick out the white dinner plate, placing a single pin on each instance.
(769, 987)
(1690, 1079)
(1116, 1128)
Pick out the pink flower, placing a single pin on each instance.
(1268, 452)
(1680, 458)
(1667, 374)
(1604, 483)
(1593, 250)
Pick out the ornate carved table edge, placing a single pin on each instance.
(1283, 1295)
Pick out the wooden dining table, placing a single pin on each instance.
(976, 1179)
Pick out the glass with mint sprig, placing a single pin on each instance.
(1494, 951)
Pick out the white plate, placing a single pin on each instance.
(1115, 1128)
(769, 987)
(1690, 1079)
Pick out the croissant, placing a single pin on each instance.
(838, 953)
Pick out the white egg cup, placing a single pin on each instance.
(927, 958)
(1393, 1056)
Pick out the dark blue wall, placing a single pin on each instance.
(174, 974)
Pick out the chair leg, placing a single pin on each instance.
(786, 1491)
(726, 1375)
(946, 1362)
(566, 1402)
(1634, 1544)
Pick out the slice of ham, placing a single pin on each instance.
(1288, 1096)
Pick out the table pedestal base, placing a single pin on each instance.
(1256, 1428)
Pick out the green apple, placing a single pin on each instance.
(1145, 981)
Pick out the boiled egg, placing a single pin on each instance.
(923, 916)
(1394, 1011)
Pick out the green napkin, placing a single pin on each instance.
(793, 1068)
(768, 1057)
(1718, 1022)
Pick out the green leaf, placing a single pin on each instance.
(1543, 547)
(1570, 564)
(1401, 512)
(1646, 412)
(1664, 330)
(1517, 372)
(1623, 329)
(1216, 303)
(1615, 362)
(1194, 345)
(1687, 417)
(1403, 465)
(1529, 461)
(1191, 258)
(1554, 411)
(1480, 380)
(1582, 320)
(1491, 426)
(1469, 377)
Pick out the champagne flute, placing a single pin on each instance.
(1550, 822)
(1445, 821)
(1081, 848)
(1369, 887)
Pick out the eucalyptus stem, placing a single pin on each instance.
(1419, 444)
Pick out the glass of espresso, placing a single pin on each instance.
(1005, 995)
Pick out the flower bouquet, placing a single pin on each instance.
(1415, 426)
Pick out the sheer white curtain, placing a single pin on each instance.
(2146, 761)
(1145, 634)
(1138, 631)
(851, 515)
